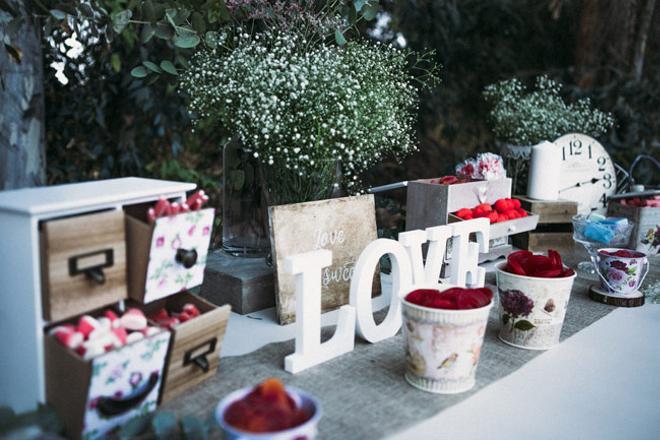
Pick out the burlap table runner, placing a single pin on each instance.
(363, 393)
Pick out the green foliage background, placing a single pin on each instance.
(107, 123)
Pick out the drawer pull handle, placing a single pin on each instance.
(92, 264)
(186, 257)
(193, 356)
(113, 406)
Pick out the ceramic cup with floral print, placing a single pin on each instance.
(532, 309)
(622, 271)
(443, 346)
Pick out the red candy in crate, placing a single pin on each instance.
(527, 264)
(267, 408)
(501, 211)
(169, 320)
(455, 298)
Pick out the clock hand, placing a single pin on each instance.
(579, 184)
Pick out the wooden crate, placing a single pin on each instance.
(83, 263)
(194, 353)
(646, 232)
(429, 204)
(554, 229)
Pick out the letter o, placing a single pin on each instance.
(361, 286)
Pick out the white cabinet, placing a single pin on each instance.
(21, 317)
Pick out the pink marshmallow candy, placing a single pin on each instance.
(87, 324)
(133, 320)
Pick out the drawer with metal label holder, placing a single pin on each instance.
(83, 263)
(195, 347)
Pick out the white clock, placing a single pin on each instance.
(588, 176)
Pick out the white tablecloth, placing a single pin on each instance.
(601, 383)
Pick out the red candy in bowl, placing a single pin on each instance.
(268, 410)
(541, 266)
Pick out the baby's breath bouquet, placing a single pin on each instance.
(520, 117)
(302, 109)
(523, 118)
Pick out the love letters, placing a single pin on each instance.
(408, 271)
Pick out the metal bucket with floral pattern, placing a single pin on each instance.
(621, 276)
(532, 309)
(443, 346)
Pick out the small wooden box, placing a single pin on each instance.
(83, 263)
(645, 236)
(94, 396)
(554, 229)
(167, 256)
(195, 347)
(429, 204)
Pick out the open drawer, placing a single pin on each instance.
(195, 347)
(83, 263)
(94, 396)
(167, 256)
(507, 228)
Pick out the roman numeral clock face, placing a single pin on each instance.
(588, 176)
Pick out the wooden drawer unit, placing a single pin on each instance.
(167, 256)
(93, 397)
(83, 263)
(195, 347)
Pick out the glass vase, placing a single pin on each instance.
(244, 213)
(516, 162)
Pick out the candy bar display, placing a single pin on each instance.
(167, 246)
(103, 370)
(269, 408)
(444, 332)
(533, 291)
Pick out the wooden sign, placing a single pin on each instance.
(345, 226)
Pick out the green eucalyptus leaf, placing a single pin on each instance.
(359, 4)
(164, 30)
(120, 20)
(198, 22)
(115, 62)
(168, 67)
(152, 66)
(186, 40)
(148, 11)
(370, 10)
(60, 15)
(170, 14)
(524, 325)
(147, 33)
(339, 37)
(164, 425)
(139, 72)
(182, 61)
(193, 428)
